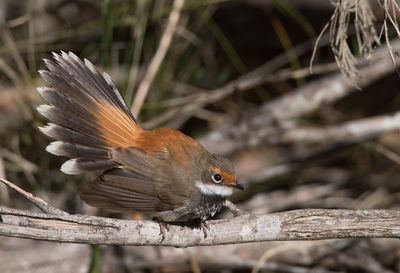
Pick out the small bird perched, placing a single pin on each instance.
(161, 172)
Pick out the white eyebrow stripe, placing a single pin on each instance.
(209, 189)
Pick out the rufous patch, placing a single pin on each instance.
(118, 128)
(229, 178)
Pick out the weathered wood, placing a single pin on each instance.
(308, 224)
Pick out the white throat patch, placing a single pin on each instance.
(209, 189)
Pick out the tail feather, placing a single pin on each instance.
(65, 134)
(62, 101)
(75, 150)
(69, 120)
(105, 88)
(80, 165)
(65, 85)
(89, 117)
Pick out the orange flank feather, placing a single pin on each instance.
(162, 143)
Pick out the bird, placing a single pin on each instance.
(162, 172)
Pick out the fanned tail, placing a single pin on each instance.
(88, 115)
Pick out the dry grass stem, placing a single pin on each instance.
(23, 163)
(279, 249)
(4, 196)
(156, 61)
(200, 98)
(388, 153)
(11, 74)
(392, 10)
(365, 33)
(10, 43)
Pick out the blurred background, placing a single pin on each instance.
(236, 77)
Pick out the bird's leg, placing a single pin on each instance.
(204, 227)
(163, 228)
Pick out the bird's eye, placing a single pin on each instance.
(217, 178)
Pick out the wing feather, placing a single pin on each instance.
(130, 187)
(121, 190)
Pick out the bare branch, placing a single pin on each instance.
(348, 132)
(317, 141)
(311, 224)
(271, 117)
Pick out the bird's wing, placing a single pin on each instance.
(123, 190)
(137, 184)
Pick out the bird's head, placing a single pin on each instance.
(218, 177)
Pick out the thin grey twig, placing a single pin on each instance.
(235, 210)
(25, 164)
(42, 205)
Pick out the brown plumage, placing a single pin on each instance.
(162, 172)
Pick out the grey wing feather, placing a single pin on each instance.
(131, 187)
(122, 190)
(135, 160)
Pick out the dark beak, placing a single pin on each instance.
(239, 187)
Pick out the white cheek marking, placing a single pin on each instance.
(220, 190)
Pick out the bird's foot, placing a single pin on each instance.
(204, 227)
(164, 228)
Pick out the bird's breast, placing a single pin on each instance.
(207, 206)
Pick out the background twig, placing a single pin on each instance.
(155, 63)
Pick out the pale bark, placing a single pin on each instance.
(309, 224)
